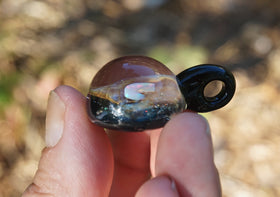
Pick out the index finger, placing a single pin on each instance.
(185, 154)
(131, 161)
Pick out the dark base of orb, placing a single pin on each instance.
(129, 116)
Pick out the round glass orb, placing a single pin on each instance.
(134, 93)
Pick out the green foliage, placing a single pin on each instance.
(7, 83)
(182, 56)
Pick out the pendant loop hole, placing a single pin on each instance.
(214, 90)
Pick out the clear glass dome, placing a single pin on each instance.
(134, 93)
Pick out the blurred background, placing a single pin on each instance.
(47, 43)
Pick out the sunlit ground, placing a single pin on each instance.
(47, 43)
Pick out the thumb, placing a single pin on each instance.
(77, 160)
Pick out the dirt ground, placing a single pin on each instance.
(47, 43)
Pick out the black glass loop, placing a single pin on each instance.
(193, 81)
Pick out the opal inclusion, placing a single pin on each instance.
(134, 93)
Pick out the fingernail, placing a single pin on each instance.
(208, 131)
(54, 119)
(173, 186)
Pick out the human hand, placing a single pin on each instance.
(80, 159)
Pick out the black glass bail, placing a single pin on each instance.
(193, 81)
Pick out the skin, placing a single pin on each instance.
(174, 161)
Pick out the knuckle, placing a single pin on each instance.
(35, 190)
(45, 184)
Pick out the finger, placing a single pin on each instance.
(131, 155)
(78, 160)
(160, 186)
(185, 153)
